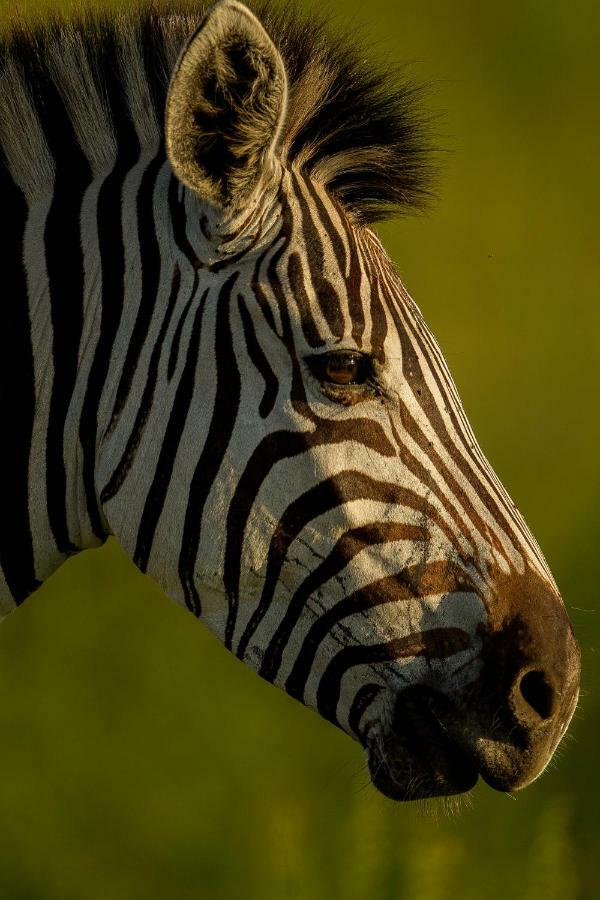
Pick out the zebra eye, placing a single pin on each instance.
(342, 367)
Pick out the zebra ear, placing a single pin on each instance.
(225, 107)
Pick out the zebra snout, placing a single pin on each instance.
(526, 696)
(504, 726)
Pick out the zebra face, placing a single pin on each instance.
(322, 502)
(385, 577)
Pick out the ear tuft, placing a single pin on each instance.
(225, 107)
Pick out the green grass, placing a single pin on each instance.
(141, 761)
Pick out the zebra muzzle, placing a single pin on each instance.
(504, 727)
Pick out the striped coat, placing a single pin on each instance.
(208, 354)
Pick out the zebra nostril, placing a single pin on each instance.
(536, 698)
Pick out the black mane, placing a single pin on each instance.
(353, 126)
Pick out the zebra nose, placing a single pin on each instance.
(534, 698)
(527, 694)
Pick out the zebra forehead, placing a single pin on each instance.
(355, 128)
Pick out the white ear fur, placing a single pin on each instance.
(225, 107)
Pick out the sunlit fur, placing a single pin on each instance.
(352, 545)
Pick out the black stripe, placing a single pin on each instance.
(150, 281)
(331, 229)
(133, 442)
(170, 445)
(17, 400)
(179, 222)
(303, 301)
(354, 285)
(365, 696)
(326, 294)
(272, 449)
(278, 445)
(342, 487)
(64, 263)
(112, 267)
(379, 325)
(257, 288)
(423, 471)
(347, 547)
(396, 588)
(436, 643)
(354, 280)
(222, 422)
(174, 354)
(260, 361)
(413, 372)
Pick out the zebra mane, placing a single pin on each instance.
(356, 128)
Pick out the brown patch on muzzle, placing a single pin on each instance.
(506, 724)
(520, 707)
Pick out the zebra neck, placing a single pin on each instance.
(56, 366)
(96, 331)
(73, 346)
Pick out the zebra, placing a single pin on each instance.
(207, 353)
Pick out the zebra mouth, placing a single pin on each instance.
(416, 758)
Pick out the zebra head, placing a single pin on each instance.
(304, 477)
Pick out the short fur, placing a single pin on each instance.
(350, 125)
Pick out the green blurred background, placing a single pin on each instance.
(140, 760)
